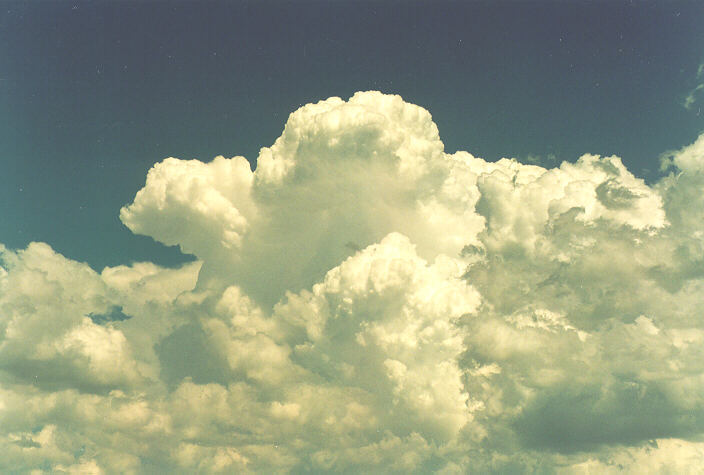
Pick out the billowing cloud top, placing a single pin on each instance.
(363, 301)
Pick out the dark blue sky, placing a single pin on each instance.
(93, 93)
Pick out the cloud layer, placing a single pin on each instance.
(363, 301)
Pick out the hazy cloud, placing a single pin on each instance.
(693, 95)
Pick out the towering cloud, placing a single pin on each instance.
(363, 301)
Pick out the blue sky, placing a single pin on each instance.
(93, 93)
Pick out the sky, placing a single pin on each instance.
(361, 237)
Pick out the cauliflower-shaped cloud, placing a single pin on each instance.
(364, 302)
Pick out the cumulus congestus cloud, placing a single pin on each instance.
(363, 301)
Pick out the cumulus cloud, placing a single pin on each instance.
(363, 301)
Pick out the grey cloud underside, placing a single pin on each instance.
(363, 301)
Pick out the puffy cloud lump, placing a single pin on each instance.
(363, 301)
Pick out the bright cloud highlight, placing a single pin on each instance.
(365, 302)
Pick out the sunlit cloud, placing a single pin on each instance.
(363, 301)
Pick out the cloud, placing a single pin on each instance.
(363, 301)
(692, 96)
(49, 335)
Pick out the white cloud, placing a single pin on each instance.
(48, 335)
(657, 457)
(363, 301)
(692, 96)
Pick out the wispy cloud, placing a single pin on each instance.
(694, 94)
